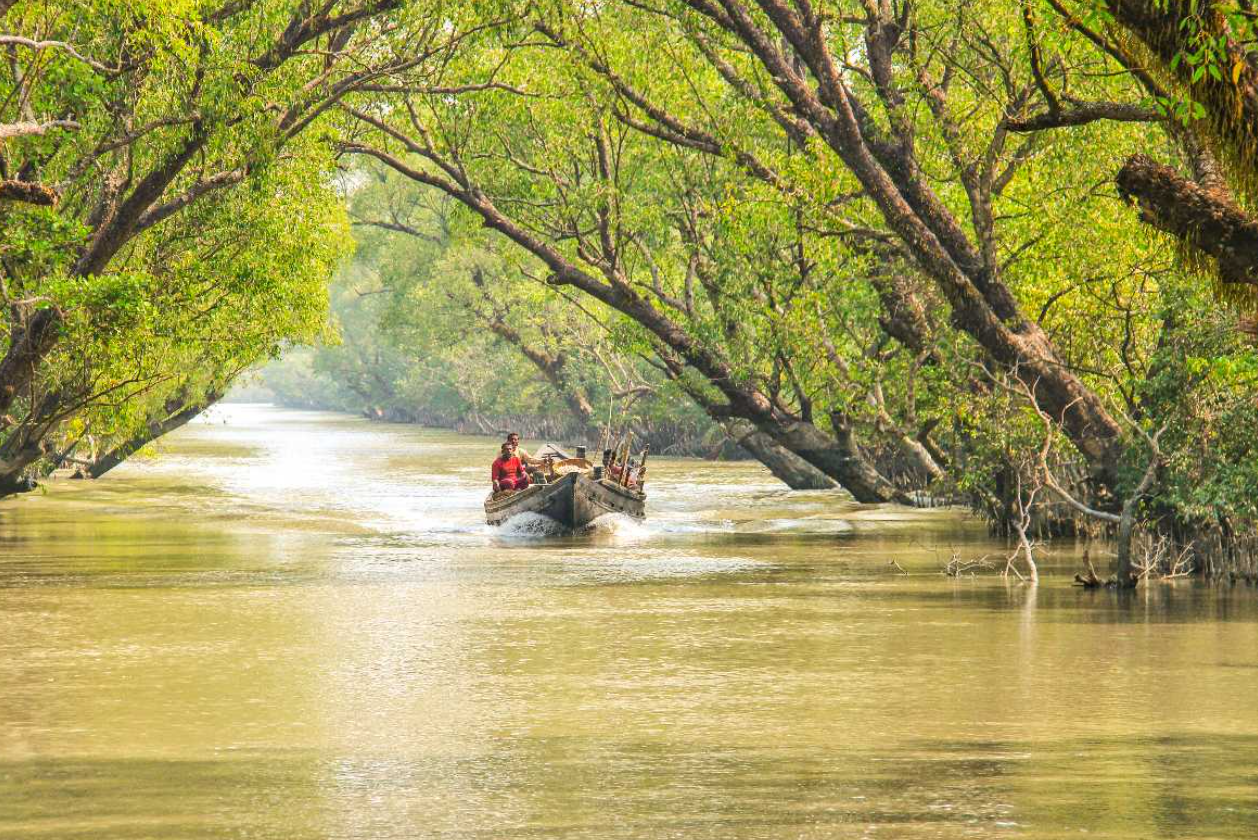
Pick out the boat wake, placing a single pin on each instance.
(525, 526)
(616, 525)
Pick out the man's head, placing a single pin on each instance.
(507, 451)
(513, 440)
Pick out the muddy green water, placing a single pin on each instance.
(295, 625)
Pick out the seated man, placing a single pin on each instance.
(507, 473)
(513, 440)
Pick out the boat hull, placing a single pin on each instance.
(573, 501)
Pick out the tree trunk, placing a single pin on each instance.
(1200, 215)
(840, 458)
(553, 368)
(928, 443)
(1172, 30)
(12, 483)
(793, 471)
(13, 478)
(903, 315)
(25, 445)
(178, 412)
(921, 462)
(28, 192)
(1123, 576)
(29, 342)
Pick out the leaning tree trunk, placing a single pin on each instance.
(25, 446)
(1201, 216)
(840, 458)
(789, 468)
(17, 454)
(13, 478)
(1172, 31)
(178, 412)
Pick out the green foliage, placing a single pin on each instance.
(216, 230)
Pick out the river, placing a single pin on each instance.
(296, 625)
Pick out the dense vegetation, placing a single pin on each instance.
(1000, 248)
(435, 325)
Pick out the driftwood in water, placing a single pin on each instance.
(1088, 579)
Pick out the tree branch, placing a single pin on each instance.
(38, 46)
(29, 193)
(27, 128)
(1196, 216)
(1082, 113)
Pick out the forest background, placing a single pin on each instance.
(997, 251)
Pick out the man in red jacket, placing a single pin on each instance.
(507, 471)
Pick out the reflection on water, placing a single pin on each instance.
(296, 625)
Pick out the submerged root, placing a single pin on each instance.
(1088, 578)
(1166, 553)
(957, 567)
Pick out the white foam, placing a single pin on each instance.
(620, 526)
(617, 527)
(527, 526)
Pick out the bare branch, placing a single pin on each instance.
(28, 128)
(39, 46)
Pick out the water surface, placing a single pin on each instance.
(296, 625)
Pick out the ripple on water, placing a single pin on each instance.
(612, 567)
(809, 525)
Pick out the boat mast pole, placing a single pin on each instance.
(624, 465)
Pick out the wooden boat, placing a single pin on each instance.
(574, 500)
